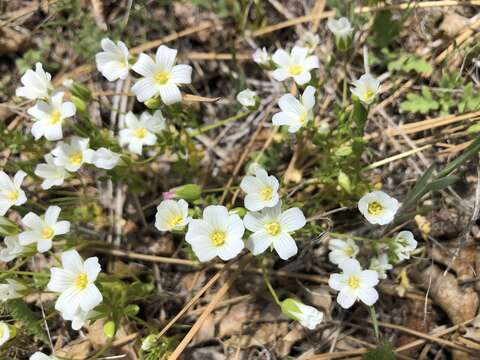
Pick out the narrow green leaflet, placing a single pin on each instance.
(383, 352)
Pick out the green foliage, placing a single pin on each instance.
(409, 63)
(7, 227)
(19, 310)
(422, 103)
(382, 352)
(385, 29)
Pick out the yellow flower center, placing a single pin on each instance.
(367, 95)
(123, 63)
(140, 133)
(162, 77)
(76, 158)
(13, 195)
(295, 70)
(353, 282)
(175, 220)
(303, 117)
(375, 208)
(1, 331)
(218, 238)
(273, 228)
(81, 281)
(47, 233)
(266, 193)
(55, 117)
(349, 251)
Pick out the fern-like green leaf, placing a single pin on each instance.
(20, 311)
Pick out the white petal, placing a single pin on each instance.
(253, 221)
(72, 261)
(170, 94)
(281, 58)
(346, 298)
(144, 89)
(303, 78)
(33, 221)
(29, 237)
(230, 249)
(351, 266)
(368, 278)
(290, 103)
(144, 66)
(62, 227)
(292, 219)
(308, 97)
(90, 298)
(51, 215)
(44, 245)
(165, 57)
(285, 246)
(60, 280)
(368, 296)
(280, 74)
(258, 242)
(92, 268)
(181, 74)
(68, 301)
(251, 184)
(253, 202)
(336, 282)
(216, 216)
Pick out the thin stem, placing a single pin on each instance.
(348, 236)
(219, 123)
(373, 315)
(27, 273)
(270, 287)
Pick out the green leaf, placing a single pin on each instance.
(20, 311)
(385, 29)
(473, 129)
(7, 227)
(471, 150)
(442, 183)
(420, 103)
(382, 352)
(411, 63)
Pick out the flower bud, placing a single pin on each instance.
(189, 192)
(308, 316)
(149, 342)
(344, 181)
(153, 103)
(109, 329)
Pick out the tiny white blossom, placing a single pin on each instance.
(295, 113)
(149, 342)
(141, 132)
(366, 88)
(13, 249)
(36, 84)
(218, 233)
(41, 356)
(272, 227)
(4, 333)
(404, 244)
(112, 62)
(75, 281)
(261, 190)
(42, 230)
(104, 158)
(261, 56)
(354, 283)
(341, 27)
(52, 174)
(246, 97)
(78, 318)
(310, 41)
(161, 76)
(68, 83)
(306, 315)
(73, 155)
(11, 290)
(49, 117)
(341, 250)
(378, 207)
(297, 65)
(10, 191)
(172, 215)
(380, 264)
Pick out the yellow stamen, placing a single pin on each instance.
(273, 228)
(13, 195)
(266, 193)
(81, 281)
(140, 133)
(349, 251)
(55, 117)
(353, 282)
(367, 95)
(123, 63)
(375, 208)
(303, 117)
(175, 220)
(47, 233)
(218, 238)
(295, 70)
(162, 77)
(76, 158)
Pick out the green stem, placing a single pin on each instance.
(348, 236)
(27, 273)
(270, 287)
(219, 123)
(373, 315)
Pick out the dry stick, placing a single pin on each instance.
(217, 297)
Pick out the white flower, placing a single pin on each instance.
(49, 117)
(404, 244)
(141, 132)
(78, 318)
(10, 290)
(308, 316)
(342, 250)
(75, 282)
(261, 190)
(161, 76)
(261, 57)
(380, 264)
(13, 249)
(310, 41)
(217, 234)
(297, 64)
(366, 88)
(41, 356)
(271, 227)
(295, 113)
(42, 230)
(246, 97)
(172, 215)
(149, 342)
(354, 283)
(52, 174)
(341, 28)
(72, 156)
(4, 333)
(36, 84)
(378, 207)
(10, 191)
(104, 158)
(112, 62)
